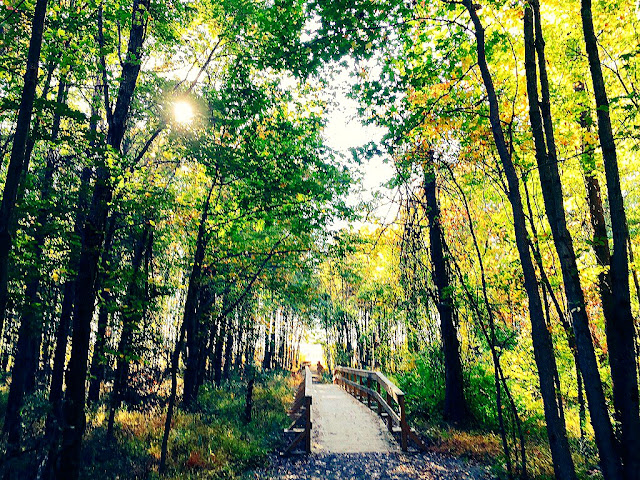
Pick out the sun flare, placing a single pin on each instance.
(183, 112)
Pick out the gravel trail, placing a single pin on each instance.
(372, 465)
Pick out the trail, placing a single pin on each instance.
(349, 441)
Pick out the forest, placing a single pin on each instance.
(175, 224)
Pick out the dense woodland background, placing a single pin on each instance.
(168, 229)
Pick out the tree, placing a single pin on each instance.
(620, 330)
(547, 159)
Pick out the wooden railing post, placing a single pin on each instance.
(403, 424)
(308, 424)
(368, 394)
(389, 418)
(302, 410)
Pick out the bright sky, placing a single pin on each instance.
(345, 131)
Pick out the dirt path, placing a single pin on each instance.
(342, 425)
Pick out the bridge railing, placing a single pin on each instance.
(300, 413)
(375, 388)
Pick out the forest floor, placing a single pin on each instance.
(351, 442)
(372, 465)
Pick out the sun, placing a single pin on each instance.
(183, 112)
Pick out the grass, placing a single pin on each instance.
(213, 443)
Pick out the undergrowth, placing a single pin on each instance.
(480, 441)
(213, 442)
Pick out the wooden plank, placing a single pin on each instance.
(387, 384)
(391, 389)
(417, 440)
(308, 381)
(354, 371)
(295, 442)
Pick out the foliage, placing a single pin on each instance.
(213, 442)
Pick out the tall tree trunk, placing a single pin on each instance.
(55, 417)
(74, 408)
(228, 351)
(489, 332)
(218, 349)
(542, 343)
(455, 406)
(175, 360)
(30, 333)
(547, 160)
(190, 317)
(619, 321)
(266, 359)
(15, 171)
(98, 360)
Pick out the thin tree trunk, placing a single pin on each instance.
(15, 171)
(455, 406)
(74, 408)
(190, 319)
(131, 315)
(218, 350)
(98, 360)
(491, 338)
(30, 334)
(546, 157)
(55, 417)
(228, 351)
(542, 343)
(266, 359)
(175, 360)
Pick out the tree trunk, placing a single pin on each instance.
(228, 351)
(70, 454)
(266, 359)
(190, 319)
(131, 314)
(55, 417)
(546, 157)
(218, 350)
(248, 402)
(619, 321)
(15, 171)
(30, 333)
(175, 360)
(455, 406)
(98, 360)
(542, 343)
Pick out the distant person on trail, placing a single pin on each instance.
(319, 368)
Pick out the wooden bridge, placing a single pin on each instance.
(350, 415)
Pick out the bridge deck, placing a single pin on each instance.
(341, 424)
